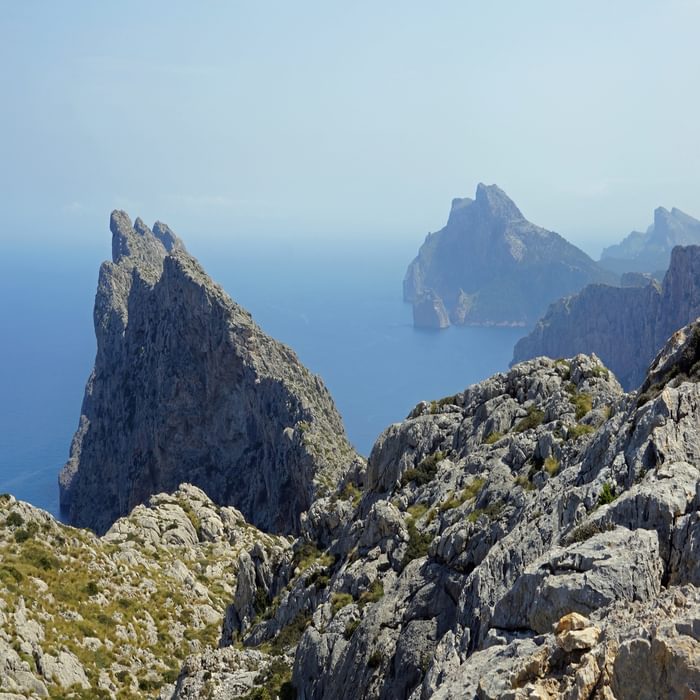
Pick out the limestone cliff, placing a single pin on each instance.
(186, 387)
(489, 265)
(650, 251)
(623, 326)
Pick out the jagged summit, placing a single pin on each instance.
(489, 265)
(186, 387)
(492, 200)
(651, 251)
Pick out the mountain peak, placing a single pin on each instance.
(493, 199)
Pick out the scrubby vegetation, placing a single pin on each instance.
(607, 494)
(493, 437)
(418, 543)
(533, 418)
(551, 465)
(426, 470)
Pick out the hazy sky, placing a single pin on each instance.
(342, 120)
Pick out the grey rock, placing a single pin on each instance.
(489, 265)
(623, 326)
(187, 388)
(429, 311)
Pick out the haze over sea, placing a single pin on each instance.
(338, 306)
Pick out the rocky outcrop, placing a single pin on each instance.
(534, 536)
(651, 251)
(489, 265)
(186, 387)
(623, 326)
(429, 311)
(119, 616)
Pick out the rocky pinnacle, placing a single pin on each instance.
(186, 387)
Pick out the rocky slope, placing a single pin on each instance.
(117, 616)
(535, 536)
(623, 326)
(186, 388)
(651, 251)
(489, 265)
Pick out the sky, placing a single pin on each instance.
(240, 121)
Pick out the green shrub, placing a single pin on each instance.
(14, 519)
(473, 488)
(533, 418)
(340, 600)
(565, 366)
(291, 634)
(426, 470)
(417, 510)
(372, 595)
(375, 659)
(524, 482)
(351, 493)
(350, 628)
(492, 511)
(583, 403)
(551, 465)
(91, 588)
(600, 371)
(21, 535)
(492, 438)
(585, 531)
(418, 543)
(607, 495)
(574, 432)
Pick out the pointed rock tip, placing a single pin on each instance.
(120, 222)
(167, 237)
(497, 201)
(140, 227)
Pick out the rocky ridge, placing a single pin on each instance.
(187, 388)
(534, 536)
(489, 265)
(624, 326)
(651, 251)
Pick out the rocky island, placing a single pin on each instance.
(491, 266)
(624, 326)
(535, 535)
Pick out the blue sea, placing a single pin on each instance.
(338, 305)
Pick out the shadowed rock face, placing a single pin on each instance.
(489, 265)
(623, 326)
(186, 387)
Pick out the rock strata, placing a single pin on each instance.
(625, 326)
(186, 387)
(489, 265)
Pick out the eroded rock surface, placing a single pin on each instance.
(187, 388)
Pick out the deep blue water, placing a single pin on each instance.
(338, 306)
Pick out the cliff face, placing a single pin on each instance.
(489, 265)
(651, 251)
(623, 326)
(187, 388)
